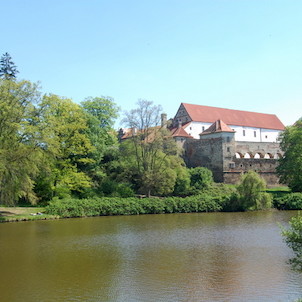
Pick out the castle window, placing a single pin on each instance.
(228, 139)
(243, 132)
(202, 128)
(266, 136)
(228, 149)
(255, 133)
(232, 165)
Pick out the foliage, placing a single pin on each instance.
(19, 141)
(153, 158)
(200, 178)
(288, 201)
(132, 206)
(251, 192)
(290, 165)
(63, 128)
(293, 238)
(8, 70)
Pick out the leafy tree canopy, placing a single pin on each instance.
(252, 195)
(290, 165)
(293, 238)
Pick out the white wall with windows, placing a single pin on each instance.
(244, 134)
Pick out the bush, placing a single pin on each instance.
(251, 192)
(293, 238)
(200, 178)
(132, 206)
(291, 201)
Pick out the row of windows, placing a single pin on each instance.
(258, 155)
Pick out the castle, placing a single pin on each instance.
(228, 142)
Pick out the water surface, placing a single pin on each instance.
(175, 257)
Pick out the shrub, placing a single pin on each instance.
(252, 193)
(200, 178)
(293, 238)
(291, 201)
(132, 206)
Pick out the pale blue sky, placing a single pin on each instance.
(238, 54)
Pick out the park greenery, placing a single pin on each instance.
(58, 152)
(293, 238)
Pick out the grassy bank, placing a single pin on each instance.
(217, 198)
(10, 214)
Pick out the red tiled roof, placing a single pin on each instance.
(180, 132)
(207, 114)
(218, 126)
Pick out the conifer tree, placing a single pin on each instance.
(8, 69)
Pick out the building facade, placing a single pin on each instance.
(228, 142)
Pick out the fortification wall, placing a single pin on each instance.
(262, 148)
(265, 167)
(226, 158)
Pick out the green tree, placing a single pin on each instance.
(63, 125)
(200, 178)
(152, 150)
(252, 195)
(20, 151)
(293, 238)
(8, 69)
(290, 165)
(100, 114)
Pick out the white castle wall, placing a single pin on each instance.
(244, 134)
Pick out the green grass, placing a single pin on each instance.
(10, 214)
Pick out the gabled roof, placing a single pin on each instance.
(180, 132)
(218, 126)
(207, 114)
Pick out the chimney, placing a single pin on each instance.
(164, 120)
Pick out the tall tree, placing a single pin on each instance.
(19, 141)
(152, 146)
(8, 69)
(290, 165)
(63, 125)
(101, 113)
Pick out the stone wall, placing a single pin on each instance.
(205, 153)
(265, 167)
(218, 153)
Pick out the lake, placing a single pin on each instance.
(172, 257)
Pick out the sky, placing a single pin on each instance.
(236, 54)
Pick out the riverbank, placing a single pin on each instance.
(12, 214)
(218, 199)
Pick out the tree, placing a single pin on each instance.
(290, 165)
(200, 178)
(66, 145)
(153, 149)
(8, 69)
(252, 195)
(293, 238)
(20, 153)
(101, 113)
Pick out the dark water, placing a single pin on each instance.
(177, 257)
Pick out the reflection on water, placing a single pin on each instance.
(176, 257)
